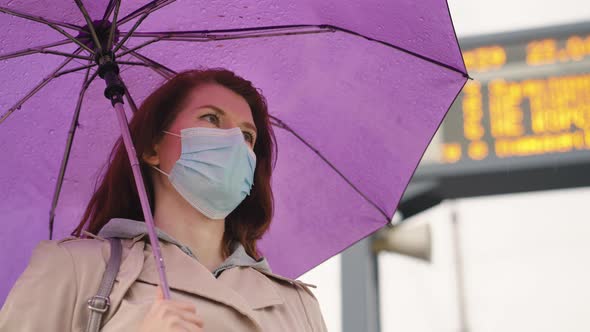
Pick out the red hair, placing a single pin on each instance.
(117, 197)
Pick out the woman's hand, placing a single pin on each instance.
(171, 316)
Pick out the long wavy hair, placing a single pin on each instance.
(117, 196)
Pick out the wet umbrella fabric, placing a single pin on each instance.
(356, 90)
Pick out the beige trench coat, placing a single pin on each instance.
(52, 292)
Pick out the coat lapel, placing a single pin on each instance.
(253, 286)
(241, 288)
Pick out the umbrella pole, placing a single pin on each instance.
(109, 71)
(145, 205)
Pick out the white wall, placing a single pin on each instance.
(526, 261)
(475, 17)
(328, 292)
(525, 265)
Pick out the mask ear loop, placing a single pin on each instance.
(167, 132)
(159, 170)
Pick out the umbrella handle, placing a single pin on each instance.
(145, 205)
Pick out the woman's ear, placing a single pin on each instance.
(152, 158)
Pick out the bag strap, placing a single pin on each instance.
(99, 303)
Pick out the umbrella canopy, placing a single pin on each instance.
(356, 90)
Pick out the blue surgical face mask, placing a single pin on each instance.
(215, 171)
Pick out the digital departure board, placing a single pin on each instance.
(530, 97)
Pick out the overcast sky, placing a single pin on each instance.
(474, 17)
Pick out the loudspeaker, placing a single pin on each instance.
(410, 238)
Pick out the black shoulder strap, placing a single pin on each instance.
(100, 303)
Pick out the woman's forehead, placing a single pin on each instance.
(218, 97)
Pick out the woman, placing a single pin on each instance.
(206, 148)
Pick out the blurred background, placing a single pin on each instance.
(492, 232)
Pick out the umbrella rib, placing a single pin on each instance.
(113, 25)
(128, 34)
(171, 37)
(108, 10)
(214, 37)
(40, 19)
(420, 56)
(51, 24)
(159, 68)
(144, 11)
(90, 25)
(278, 123)
(135, 48)
(33, 50)
(134, 63)
(73, 70)
(43, 83)
(150, 7)
(66, 156)
(204, 38)
(237, 30)
(72, 38)
(130, 100)
(207, 35)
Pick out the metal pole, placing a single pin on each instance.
(463, 323)
(360, 288)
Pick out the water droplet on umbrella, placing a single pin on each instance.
(51, 131)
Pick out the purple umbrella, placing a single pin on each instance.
(356, 90)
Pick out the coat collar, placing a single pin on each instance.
(242, 288)
(137, 230)
(243, 283)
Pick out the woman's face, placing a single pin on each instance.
(210, 105)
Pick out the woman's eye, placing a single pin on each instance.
(248, 136)
(213, 116)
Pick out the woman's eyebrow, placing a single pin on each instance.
(222, 112)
